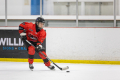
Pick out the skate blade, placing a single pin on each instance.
(52, 69)
(31, 69)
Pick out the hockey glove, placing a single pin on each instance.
(39, 48)
(23, 36)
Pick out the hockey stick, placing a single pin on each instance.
(65, 68)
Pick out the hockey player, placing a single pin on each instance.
(36, 35)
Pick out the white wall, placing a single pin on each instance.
(16, 7)
(83, 43)
(2, 7)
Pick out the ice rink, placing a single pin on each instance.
(20, 71)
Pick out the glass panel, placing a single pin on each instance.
(96, 23)
(73, 8)
(118, 13)
(91, 8)
(61, 8)
(98, 8)
(52, 7)
(94, 9)
(106, 8)
(48, 7)
(58, 7)
(2, 12)
(19, 7)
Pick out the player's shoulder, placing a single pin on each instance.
(42, 31)
(26, 23)
(29, 23)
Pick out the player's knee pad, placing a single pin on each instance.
(43, 57)
(31, 50)
(45, 60)
(47, 63)
(30, 61)
(31, 56)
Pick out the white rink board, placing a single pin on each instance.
(82, 43)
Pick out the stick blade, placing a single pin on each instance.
(65, 68)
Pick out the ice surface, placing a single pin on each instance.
(21, 71)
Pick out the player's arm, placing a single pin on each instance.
(39, 46)
(41, 38)
(22, 30)
(22, 27)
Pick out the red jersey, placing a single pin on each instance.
(31, 33)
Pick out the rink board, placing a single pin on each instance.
(62, 61)
(11, 45)
(80, 45)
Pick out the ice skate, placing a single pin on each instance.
(51, 67)
(31, 67)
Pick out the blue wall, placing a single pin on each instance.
(35, 7)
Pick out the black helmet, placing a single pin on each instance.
(39, 19)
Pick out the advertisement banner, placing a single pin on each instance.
(11, 45)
